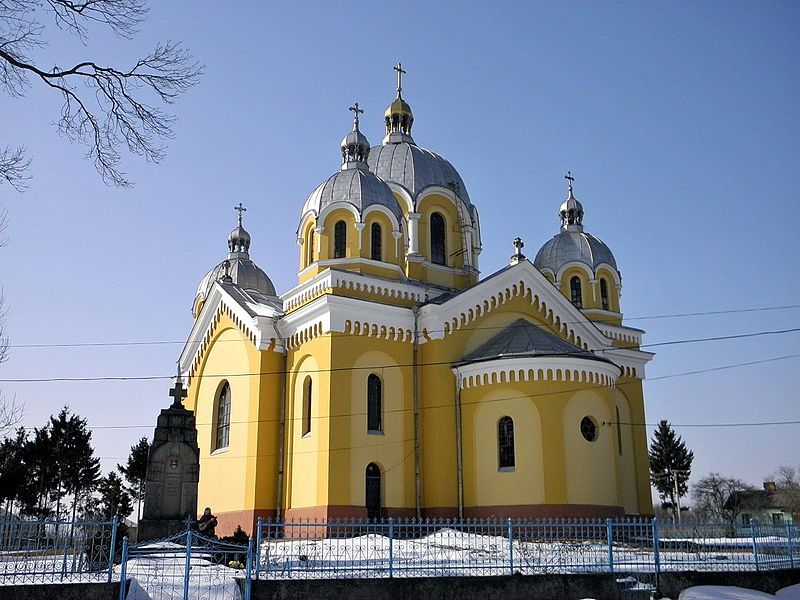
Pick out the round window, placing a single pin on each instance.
(588, 429)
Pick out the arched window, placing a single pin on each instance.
(374, 403)
(377, 242)
(505, 442)
(307, 406)
(223, 417)
(310, 257)
(340, 239)
(575, 291)
(373, 491)
(604, 293)
(438, 246)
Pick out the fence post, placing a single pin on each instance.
(789, 543)
(258, 544)
(112, 549)
(657, 552)
(610, 542)
(123, 572)
(247, 577)
(753, 526)
(64, 561)
(188, 565)
(391, 547)
(510, 546)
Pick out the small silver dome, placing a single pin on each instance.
(571, 246)
(355, 145)
(243, 272)
(415, 169)
(358, 187)
(237, 268)
(239, 239)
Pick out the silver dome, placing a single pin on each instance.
(571, 246)
(242, 271)
(358, 187)
(415, 169)
(355, 146)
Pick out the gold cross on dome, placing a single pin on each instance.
(400, 73)
(241, 209)
(356, 112)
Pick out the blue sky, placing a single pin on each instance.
(679, 121)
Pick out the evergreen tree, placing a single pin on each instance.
(12, 471)
(37, 460)
(670, 464)
(77, 468)
(114, 498)
(135, 472)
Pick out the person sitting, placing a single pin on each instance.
(207, 524)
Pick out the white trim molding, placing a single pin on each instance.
(567, 369)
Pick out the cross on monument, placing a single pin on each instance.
(570, 178)
(356, 112)
(177, 392)
(400, 73)
(241, 209)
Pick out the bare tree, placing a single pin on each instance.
(10, 412)
(115, 107)
(787, 481)
(711, 496)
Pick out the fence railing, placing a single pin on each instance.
(410, 548)
(57, 551)
(50, 551)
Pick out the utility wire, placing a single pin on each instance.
(465, 328)
(464, 403)
(374, 367)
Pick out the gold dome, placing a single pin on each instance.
(399, 107)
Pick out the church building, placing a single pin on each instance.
(394, 381)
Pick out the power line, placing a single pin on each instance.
(466, 328)
(744, 424)
(374, 367)
(449, 405)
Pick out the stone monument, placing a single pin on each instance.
(173, 469)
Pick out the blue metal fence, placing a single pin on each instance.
(409, 548)
(57, 551)
(635, 550)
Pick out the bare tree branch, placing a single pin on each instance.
(14, 170)
(114, 108)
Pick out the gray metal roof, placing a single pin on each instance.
(356, 186)
(569, 246)
(523, 338)
(243, 272)
(415, 169)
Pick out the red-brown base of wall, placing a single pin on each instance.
(248, 519)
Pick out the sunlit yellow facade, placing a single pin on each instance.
(393, 381)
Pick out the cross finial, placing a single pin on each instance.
(177, 392)
(356, 111)
(569, 178)
(518, 255)
(400, 72)
(241, 209)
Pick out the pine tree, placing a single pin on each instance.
(114, 498)
(12, 471)
(135, 471)
(670, 464)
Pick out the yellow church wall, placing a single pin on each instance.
(327, 236)
(227, 475)
(454, 258)
(485, 484)
(389, 244)
(392, 448)
(622, 435)
(306, 465)
(632, 390)
(590, 466)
